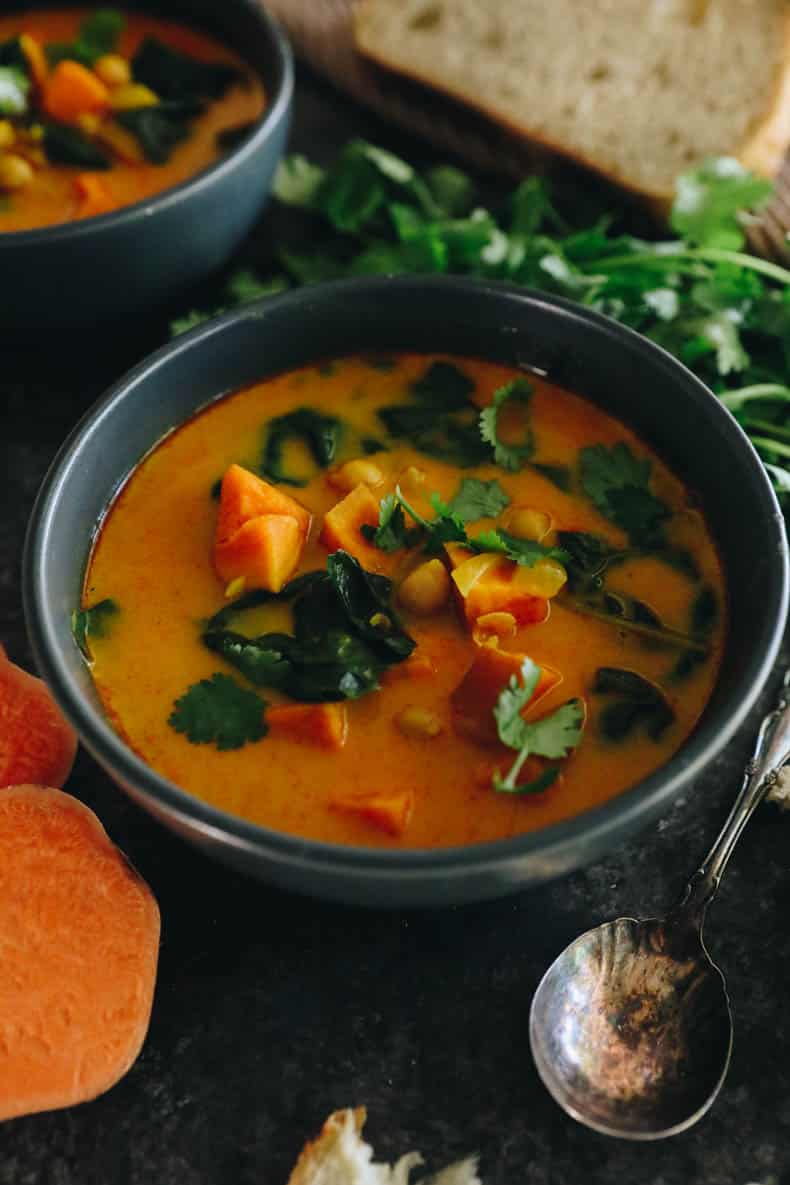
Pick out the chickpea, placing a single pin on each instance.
(133, 94)
(113, 70)
(7, 133)
(525, 523)
(426, 589)
(418, 723)
(89, 123)
(412, 479)
(354, 473)
(15, 171)
(490, 626)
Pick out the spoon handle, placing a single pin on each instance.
(771, 751)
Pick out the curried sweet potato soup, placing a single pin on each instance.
(407, 601)
(100, 109)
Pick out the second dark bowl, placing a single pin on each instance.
(587, 353)
(140, 258)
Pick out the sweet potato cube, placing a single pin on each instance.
(325, 725)
(390, 812)
(72, 90)
(244, 496)
(265, 552)
(475, 696)
(490, 583)
(342, 530)
(94, 197)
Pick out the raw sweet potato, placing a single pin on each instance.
(37, 744)
(80, 938)
(475, 696)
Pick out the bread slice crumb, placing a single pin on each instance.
(339, 1156)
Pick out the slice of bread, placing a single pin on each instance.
(339, 1156)
(640, 90)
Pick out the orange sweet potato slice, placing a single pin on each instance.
(264, 552)
(37, 744)
(488, 583)
(72, 90)
(325, 725)
(80, 947)
(475, 696)
(342, 530)
(389, 812)
(244, 496)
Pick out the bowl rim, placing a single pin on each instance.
(641, 801)
(269, 118)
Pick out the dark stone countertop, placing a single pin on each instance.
(273, 1010)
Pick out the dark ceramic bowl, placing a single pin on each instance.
(589, 354)
(144, 256)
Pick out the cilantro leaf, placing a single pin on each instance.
(392, 533)
(525, 552)
(478, 499)
(14, 89)
(618, 483)
(554, 736)
(98, 35)
(709, 199)
(297, 181)
(218, 710)
(92, 622)
(508, 456)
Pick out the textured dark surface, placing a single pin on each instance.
(271, 1010)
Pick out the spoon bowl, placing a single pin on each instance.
(631, 1029)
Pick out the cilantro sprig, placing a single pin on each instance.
(219, 711)
(509, 456)
(722, 311)
(553, 736)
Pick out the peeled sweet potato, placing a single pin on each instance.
(475, 697)
(260, 532)
(80, 942)
(342, 530)
(390, 811)
(325, 725)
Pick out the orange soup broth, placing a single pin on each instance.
(51, 197)
(153, 556)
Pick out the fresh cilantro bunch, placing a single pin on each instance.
(722, 311)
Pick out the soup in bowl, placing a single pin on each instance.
(389, 622)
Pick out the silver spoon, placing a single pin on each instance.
(630, 1027)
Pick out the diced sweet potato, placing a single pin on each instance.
(265, 552)
(342, 530)
(390, 812)
(72, 90)
(475, 696)
(325, 725)
(490, 583)
(244, 496)
(94, 197)
(419, 666)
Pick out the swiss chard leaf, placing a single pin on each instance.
(450, 437)
(12, 54)
(173, 75)
(366, 600)
(443, 387)
(65, 145)
(636, 704)
(320, 433)
(509, 456)
(161, 127)
(219, 711)
(92, 622)
(618, 483)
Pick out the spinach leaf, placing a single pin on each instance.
(366, 600)
(391, 534)
(65, 145)
(703, 617)
(12, 54)
(320, 433)
(161, 127)
(443, 387)
(92, 622)
(589, 558)
(218, 710)
(618, 483)
(636, 703)
(509, 456)
(449, 437)
(177, 76)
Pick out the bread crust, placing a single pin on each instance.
(763, 151)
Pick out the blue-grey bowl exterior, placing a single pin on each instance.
(142, 257)
(579, 349)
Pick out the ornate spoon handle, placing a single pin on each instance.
(771, 751)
